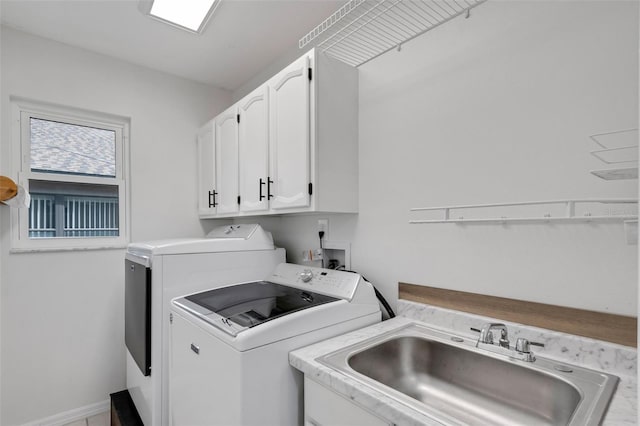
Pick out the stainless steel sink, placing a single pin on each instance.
(446, 377)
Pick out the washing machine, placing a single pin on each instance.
(229, 360)
(158, 271)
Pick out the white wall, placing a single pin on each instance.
(495, 108)
(62, 313)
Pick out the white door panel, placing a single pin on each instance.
(254, 150)
(227, 161)
(206, 172)
(290, 136)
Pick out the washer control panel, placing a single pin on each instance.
(339, 284)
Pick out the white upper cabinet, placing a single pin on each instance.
(227, 161)
(290, 133)
(253, 134)
(291, 144)
(206, 170)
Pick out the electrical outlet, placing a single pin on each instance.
(323, 226)
(312, 255)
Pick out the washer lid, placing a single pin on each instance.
(221, 239)
(237, 308)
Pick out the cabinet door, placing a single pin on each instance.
(324, 407)
(253, 135)
(227, 161)
(206, 169)
(289, 127)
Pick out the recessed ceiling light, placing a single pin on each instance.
(192, 14)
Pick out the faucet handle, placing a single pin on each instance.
(504, 341)
(522, 345)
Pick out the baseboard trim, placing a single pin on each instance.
(76, 414)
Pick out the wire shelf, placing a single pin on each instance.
(618, 149)
(362, 30)
(568, 214)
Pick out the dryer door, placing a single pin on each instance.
(137, 313)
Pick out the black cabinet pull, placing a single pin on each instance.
(212, 198)
(261, 183)
(269, 182)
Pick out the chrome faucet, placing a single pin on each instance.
(486, 335)
(520, 351)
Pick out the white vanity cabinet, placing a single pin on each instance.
(324, 407)
(296, 146)
(206, 151)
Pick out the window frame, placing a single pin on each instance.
(22, 112)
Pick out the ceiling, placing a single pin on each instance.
(242, 37)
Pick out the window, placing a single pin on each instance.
(73, 164)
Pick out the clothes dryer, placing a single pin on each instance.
(158, 271)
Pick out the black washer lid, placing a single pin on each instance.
(257, 302)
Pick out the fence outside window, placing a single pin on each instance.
(73, 216)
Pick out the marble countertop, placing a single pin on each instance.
(603, 356)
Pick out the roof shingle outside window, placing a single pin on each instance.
(72, 149)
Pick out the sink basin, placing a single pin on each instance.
(447, 378)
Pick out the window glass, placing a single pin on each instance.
(74, 165)
(73, 149)
(63, 209)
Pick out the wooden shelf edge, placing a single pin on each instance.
(612, 328)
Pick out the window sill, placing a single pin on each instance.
(17, 250)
